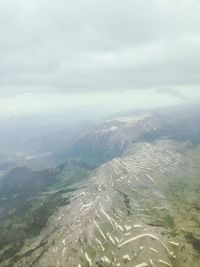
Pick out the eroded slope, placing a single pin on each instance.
(138, 210)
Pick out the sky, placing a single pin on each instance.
(56, 55)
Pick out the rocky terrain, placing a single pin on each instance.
(133, 203)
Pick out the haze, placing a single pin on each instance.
(61, 55)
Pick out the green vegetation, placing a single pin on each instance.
(194, 241)
(27, 208)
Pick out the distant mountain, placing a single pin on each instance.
(108, 139)
(31, 140)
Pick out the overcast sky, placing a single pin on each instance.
(57, 54)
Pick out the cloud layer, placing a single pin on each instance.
(96, 45)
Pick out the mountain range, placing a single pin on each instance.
(123, 191)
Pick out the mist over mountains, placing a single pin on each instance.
(99, 133)
(120, 191)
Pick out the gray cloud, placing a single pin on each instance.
(83, 45)
(174, 93)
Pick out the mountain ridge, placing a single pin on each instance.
(129, 204)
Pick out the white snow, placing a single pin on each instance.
(141, 264)
(174, 243)
(88, 259)
(137, 226)
(110, 238)
(152, 263)
(126, 257)
(154, 250)
(150, 178)
(127, 227)
(166, 263)
(99, 229)
(106, 260)
(145, 235)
